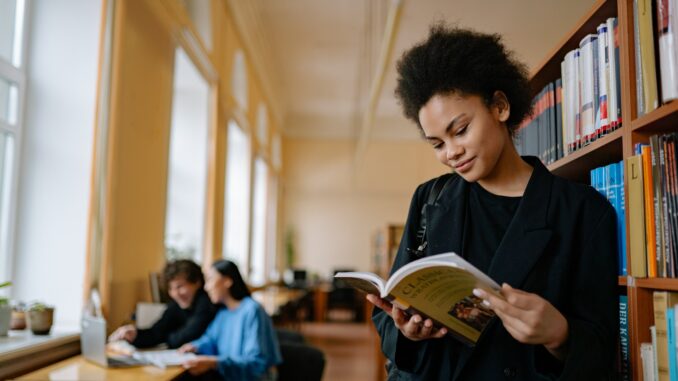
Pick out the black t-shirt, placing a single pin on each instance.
(488, 216)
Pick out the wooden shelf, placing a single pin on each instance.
(549, 69)
(663, 119)
(668, 284)
(622, 281)
(577, 166)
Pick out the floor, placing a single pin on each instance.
(350, 350)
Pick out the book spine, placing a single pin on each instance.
(612, 72)
(647, 358)
(655, 353)
(666, 33)
(648, 199)
(647, 59)
(634, 176)
(658, 209)
(587, 63)
(624, 338)
(640, 97)
(660, 300)
(671, 343)
(603, 76)
(558, 127)
(622, 217)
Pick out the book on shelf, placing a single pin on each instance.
(624, 363)
(667, 30)
(648, 361)
(637, 248)
(439, 287)
(645, 152)
(645, 59)
(662, 302)
(609, 181)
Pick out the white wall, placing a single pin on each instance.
(335, 212)
(56, 154)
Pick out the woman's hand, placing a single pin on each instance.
(187, 348)
(200, 365)
(126, 332)
(415, 328)
(529, 318)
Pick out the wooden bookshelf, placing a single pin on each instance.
(615, 147)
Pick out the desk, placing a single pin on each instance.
(273, 299)
(77, 368)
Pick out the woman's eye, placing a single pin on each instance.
(461, 131)
(438, 146)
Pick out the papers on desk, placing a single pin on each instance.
(163, 358)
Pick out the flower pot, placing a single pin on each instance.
(40, 321)
(18, 320)
(5, 316)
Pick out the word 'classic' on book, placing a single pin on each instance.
(438, 287)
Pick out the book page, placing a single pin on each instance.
(445, 294)
(363, 281)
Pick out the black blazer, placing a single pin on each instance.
(562, 245)
(178, 326)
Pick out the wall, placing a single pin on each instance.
(56, 151)
(335, 211)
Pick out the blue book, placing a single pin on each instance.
(624, 338)
(621, 217)
(671, 341)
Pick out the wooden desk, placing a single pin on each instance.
(273, 299)
(77, 368)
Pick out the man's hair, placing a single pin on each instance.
(184, 268)
(454, 60)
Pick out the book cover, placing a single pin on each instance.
(662, 301)
(603, 79)
(647, 359)
(658, 208)
(439, 287)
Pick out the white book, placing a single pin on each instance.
(613, 93)
(655, 366)
(588, 48)
(603, 79)
(576, 69)
(647, 360)
(565, 110)
(668, 61)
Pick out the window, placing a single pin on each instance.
(276, 151)
(187, 170)
(237, 205)
(239, 80)
(262, 125)
(259, 260)
(12, 81)
(199, 12)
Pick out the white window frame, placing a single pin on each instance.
(17, 76)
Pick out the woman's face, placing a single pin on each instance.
(217, 285)
(466, 134)
(182, 291)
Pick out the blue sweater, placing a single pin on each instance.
(243, 341)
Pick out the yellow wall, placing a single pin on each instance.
(335, 211)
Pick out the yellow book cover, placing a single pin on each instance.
(439, 287)
(636, 208)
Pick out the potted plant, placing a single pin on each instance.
(40, 317)
(5, 311)
(18, 321)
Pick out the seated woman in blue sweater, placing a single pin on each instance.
(240, 343)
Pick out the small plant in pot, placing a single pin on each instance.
(5, 311)
(18, 321)
(40, 317)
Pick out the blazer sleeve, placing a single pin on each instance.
(407, 355)
(593, 302)
(195, 324)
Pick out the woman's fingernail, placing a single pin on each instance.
(479, 293)
(486, 303)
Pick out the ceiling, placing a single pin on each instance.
(320, 55)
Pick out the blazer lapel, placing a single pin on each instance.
(528, 234)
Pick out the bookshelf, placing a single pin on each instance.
(615, 147)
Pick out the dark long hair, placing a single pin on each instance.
(229, 269)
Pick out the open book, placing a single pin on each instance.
(439, 287)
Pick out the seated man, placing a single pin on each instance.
(187, 315)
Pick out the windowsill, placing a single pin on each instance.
(20, 343)
(22, 351)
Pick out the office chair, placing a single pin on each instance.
(301, 362)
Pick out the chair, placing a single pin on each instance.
(301, 362)
(344, 298)
(289, 336)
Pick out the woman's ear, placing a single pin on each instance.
(228, 282)
(501, 106)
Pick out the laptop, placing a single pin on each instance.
(93, 345)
